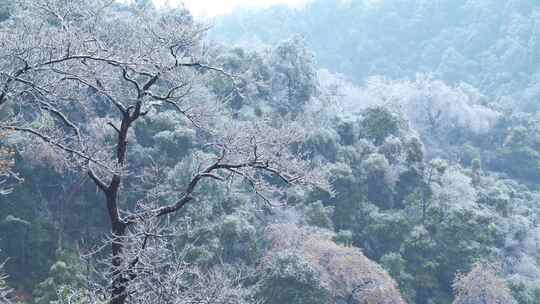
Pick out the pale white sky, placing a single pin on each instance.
(211, 8)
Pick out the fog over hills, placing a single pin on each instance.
(491, 45)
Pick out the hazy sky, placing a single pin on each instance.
(210, 8)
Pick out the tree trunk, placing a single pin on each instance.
(118, 227)
(119, 283)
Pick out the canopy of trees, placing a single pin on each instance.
(351, 152)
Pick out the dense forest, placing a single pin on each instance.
(345, 151)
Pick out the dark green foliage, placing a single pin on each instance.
(395, 264)
(424, 221)
(318, 215)
(343, 237)
(378, 124)
(6, 7)
(66, 271)
(525, 295)
(287, 278)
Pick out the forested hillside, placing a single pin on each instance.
(489, 44)
(350, 152)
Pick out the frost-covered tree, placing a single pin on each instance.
(280, 79)
(436, 110)
(6, 163)
(5, 290)
(324, 271)
(82, 74)
(294, 75)
(481, 285)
